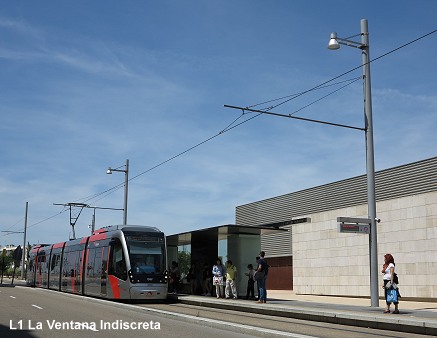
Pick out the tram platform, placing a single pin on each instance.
(414, 317)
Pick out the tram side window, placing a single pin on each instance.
(55, 262)
(90, 266)
(72, 264)
(66, 265)
(30, 267)
(104, 262)
(117, 265)
(41, 264)
(97, 265)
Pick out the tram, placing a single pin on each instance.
(115, 262)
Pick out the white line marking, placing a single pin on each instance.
(241, 328)
(37, 306)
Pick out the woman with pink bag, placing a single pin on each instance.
(217, 279)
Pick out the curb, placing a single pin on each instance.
(407, 325)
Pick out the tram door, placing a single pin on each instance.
(104, 276)
(96, 269)
(117, 271)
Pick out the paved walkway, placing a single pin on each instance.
(414, 317)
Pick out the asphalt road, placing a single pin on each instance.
(28, 312)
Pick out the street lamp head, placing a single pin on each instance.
(333, 42)
(126, 181)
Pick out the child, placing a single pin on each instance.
(250, 282)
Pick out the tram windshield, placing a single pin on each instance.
(146, 253)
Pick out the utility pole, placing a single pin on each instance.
(93, 223)
(23, 265)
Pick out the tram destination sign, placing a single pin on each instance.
(353, 225)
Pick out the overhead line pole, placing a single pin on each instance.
(82, 205)
(24, 242)
(293, 117)
(334, 43)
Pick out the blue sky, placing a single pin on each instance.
(88, 84)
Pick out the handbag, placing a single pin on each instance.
(217, 280)
(392, 296)
(395, 278)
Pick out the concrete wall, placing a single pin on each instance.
(243, 250)
(332, 263)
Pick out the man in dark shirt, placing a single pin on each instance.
(262, 267)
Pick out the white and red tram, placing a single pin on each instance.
(115, 262)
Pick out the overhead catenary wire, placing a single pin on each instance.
(226, 129)
(6, 231)
(14, 224)
(232, 126)
(353, 69)
(325, 96)
(292, 96)
(48, 218)
(229, 127)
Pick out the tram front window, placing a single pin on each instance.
(146, 254)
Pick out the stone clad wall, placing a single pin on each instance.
(332, 263)
(410, 234)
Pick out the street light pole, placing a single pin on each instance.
(126, 181)
(370, 167)
(334, 43)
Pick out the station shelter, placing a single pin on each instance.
(239, 243)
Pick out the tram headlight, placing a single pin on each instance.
(131, 277)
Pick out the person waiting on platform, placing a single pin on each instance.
(263, 269)
(250, 282)
(175, 275)
(231, 275)
(390, 280)
(217, 279)
(206, 280)
(192, 279)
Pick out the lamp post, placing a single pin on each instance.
(126, 180)
(334, 43)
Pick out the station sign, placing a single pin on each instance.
(353, 225)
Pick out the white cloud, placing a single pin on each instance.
(79, 97)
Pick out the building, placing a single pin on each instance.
(313, 257)
(9, 248)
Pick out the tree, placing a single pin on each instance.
(184, 261)
(6, 262)
(28, 248)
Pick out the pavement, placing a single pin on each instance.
(414, 317)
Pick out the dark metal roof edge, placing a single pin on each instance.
(261, 227)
